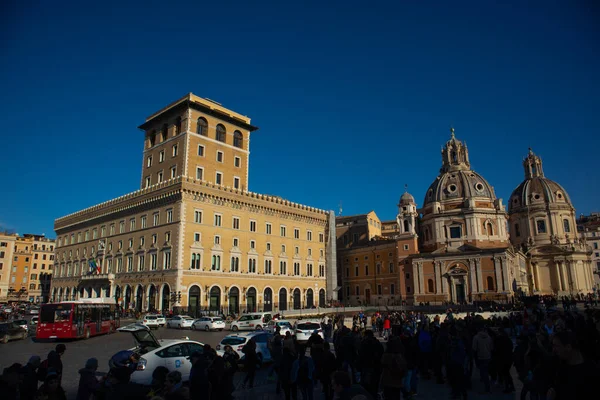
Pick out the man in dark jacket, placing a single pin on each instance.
(199, 383)
(29, 383)
(369, 362)
(55, 360)
(88, 384)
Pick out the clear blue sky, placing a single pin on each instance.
(353, 100)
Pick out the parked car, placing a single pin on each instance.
(253, 321)
(34, 320)
(173, 354)
(34, 311)
(180, 321)
(238, 340)
(283, 324)
(209, 324)
(161, 320)
(151, 321)
(10, 331)
(305, 328)
(22, 323)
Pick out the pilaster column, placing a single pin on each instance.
(535, 273)
(590, 270)
(421, 283)
(473, 276)
(498, 273)
(563, 275)
(559, 277)
(438, 277)
(444, 285)
(570, 276)
(479, 278)
(416, 279)
(507, 283)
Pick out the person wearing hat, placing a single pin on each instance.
(88, 383)
(29, 378)
(51, 389)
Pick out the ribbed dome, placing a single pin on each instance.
(463, 184)
(536, 189)
(407, 198)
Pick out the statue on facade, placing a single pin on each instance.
(530, 242)
(567, 238)
(555, 239)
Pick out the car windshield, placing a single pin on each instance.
(188, 318)
(21, 322)
(309, 326)
(233, 340)
(284, 324)
(151, 317)
(160, 316)
(217, 320)
(55, 313)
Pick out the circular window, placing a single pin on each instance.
(560, 196)
(479, 186)
(537, 197)
(452, 188)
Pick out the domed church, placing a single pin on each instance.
(542, 226)
(465, 252)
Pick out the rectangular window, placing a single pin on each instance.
(283, 248)
(355, 238)
(219, 178)
(132, 224)
(198, 216)
(357, 290)
(197, 237)
(103, 231)
(236, 242)
(154, 239)
(130, 264)
(217, 239)
(87, 234)
(237, 162)
(147, 182)
(321, 270)
(391, 268)
(168, 237)
(201, 150)
(347, 291)
(406, 247)
(167, 259)
(142, 241)
(159, 177)
(161, 156)
(282, 268)
(153, 258)
(268, 228)
(252, 226)
(296, 268)
(141, 262)
(309, 235)
(268, 267)
(149, 162)
(455, 232)
(120, 264)
(366, 270)
(236, 223)
(379, 291)
(296, 233)
(173, 171)
(392, 289)
(218, 218)
(235, 264)
(216, 263)
(170, 215)
(143, 221)
(199, 173)
(282, 231)
(112, 230)
(175, 148)
(156, 219)
(296, 250)
(236, 182)
(252, 265)
(541, 226)
(268, 246)
(219, 156)
(356, 270)
(252, 244)
(321, 237)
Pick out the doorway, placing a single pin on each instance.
(367, 296)
(460, 292)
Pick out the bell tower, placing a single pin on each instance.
(407, 214)
(455, 155)
(533, 166)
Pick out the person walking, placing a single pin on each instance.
(482, 350)
(285, 375)
(369, 362)
(250, 363)
(303, 374)
(88, 383)
(393, 370)
(29, 383)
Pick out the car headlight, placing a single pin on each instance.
(141, 364)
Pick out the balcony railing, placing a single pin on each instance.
(97, 277)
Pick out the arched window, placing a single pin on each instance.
(454, 156)
(517, 230)
(489, 229)
(216, 263)
(152, 139)
(202, 127)
(430, 285)
(220, 133)
(238, 139)
(566, 225)
(195, 261)
(164, 133)
(490, 283)
(405, 226)
(178, 126)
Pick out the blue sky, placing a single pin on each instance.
(353, 99)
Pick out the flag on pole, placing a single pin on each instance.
(93, 267)
(98, 267)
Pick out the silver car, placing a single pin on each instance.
(238, 340)
(208, 324)
(283, 324)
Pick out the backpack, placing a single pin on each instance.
(303, 376)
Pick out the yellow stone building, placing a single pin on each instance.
(193, 236)
(25, 267)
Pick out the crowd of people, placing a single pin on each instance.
(554, 353)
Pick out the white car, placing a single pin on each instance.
(208, 324)
(305, 328)
(254, 321)
(22, 323)
(180, 321)
(161, 320)
(170, 353)
(151, 321)
(283, 324)
(34, 311)
(238, 340)
(34, 320)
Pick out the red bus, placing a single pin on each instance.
(77, 319)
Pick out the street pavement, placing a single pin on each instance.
(103, 347)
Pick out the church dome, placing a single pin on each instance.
(456, 179)
(536, 189)
(407, 198)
